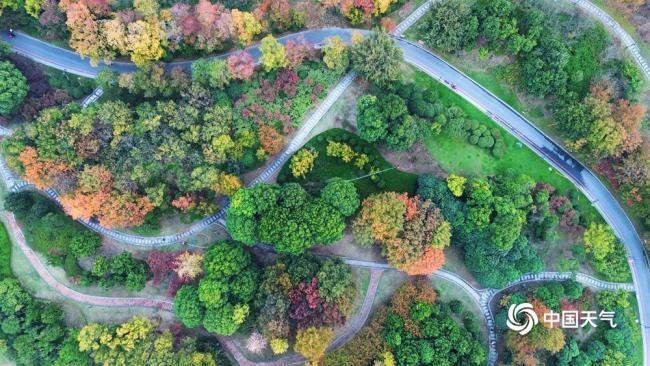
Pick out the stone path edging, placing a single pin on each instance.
(482, 297)
(43, 272)
(609, 22)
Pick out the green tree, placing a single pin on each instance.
(13, 87)
(377, 58)
(242, 228)
(220, 320)
(449, 26)
(371, 124)
(213, 291)
(85, 244)
(611, 300)
(213, 73)
(10, 4)
(293, 195)
(403, 132)
(599, 240)
(226, 259)
(342, 195)
(69, 353)
(507, 224)
(334, 278)
(273, 54)
(497, 21)
(221, 302)
(544, 67)
(480, 202)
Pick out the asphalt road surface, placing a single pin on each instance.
(516, 124)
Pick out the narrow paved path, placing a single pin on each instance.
(351, 328)
(15, 184)
(482, 297)
(609, 22)
(526, 132)
(46, 276)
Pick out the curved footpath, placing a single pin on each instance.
(613, 25)
(583, 178)
(351, 328)
(18, 236)
(482, 298)
(508, 118)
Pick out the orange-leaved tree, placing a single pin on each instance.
(41, 173)
(412, 232)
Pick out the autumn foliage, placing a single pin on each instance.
(41, 173)
(411, 231)
(241, 65)
(432, 259)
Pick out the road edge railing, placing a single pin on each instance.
(627, 40)
(482, 297)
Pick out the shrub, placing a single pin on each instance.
(456, 307)
(486, 142)
(279, 346)
(71, 266)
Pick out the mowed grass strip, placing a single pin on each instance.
(458, 156)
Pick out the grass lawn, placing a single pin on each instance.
(461, 157)
(77, 314)
(5, 253)
(326, 167)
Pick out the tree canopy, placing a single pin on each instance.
(13, 87)
(377, 58)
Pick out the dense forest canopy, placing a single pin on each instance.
(169, 140)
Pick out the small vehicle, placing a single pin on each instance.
(454, 86)
(11, 33)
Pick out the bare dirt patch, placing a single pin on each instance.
(417, 160)
(347, 247)
(455, 262)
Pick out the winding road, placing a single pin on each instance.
(482, 297)
(431, 64)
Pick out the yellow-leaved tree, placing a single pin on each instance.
(303, 162)
(273, 54)
(246, 24)
(145, 41)
(312, 342)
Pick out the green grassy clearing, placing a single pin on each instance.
(461, 157)
(77, 314)
(326, 167)
(388, 283)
